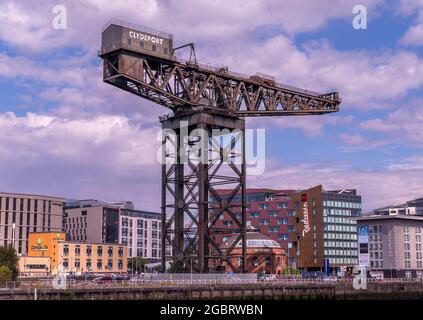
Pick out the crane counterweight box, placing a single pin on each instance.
(121, 35)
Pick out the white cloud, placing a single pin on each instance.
(414, 34)
(79, 139)
(29, 25)
(310, 125)
(405, 124)
(108, 157)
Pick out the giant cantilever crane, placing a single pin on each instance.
(143, 61)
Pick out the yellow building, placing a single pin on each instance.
(49, 253)
(34, 266)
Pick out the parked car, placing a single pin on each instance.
(103, 279)
(119, 277)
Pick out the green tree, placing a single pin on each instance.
(5, 274)
(136, 264)
(9, 259)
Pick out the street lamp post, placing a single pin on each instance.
(13, 234)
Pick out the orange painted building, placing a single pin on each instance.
(49, 253)
(46, 244)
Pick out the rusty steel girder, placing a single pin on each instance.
(182, 86)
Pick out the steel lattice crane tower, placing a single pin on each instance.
(202, 98)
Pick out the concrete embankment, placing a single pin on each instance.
(258, 291)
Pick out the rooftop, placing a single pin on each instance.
(254, 190)
(87, 203)
(379, 217)
(136, 27)
(29, 195)
(254, 240)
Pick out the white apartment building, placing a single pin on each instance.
(141, 232)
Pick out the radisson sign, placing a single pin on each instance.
(145, 37)
(305, 219)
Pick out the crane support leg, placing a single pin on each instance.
(202, 152)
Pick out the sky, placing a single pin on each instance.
(64, 132)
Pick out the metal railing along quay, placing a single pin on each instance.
(72, 283)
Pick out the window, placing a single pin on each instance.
(291, 213)
(65, 263)
(272, 214)
(65, 250)
(110, 264)
(283, 221)
(255, 261)
(120, 264)
(100, 251)
(254, 215)
(99, 264)
(77, 250)
(88, 264)
(264, 221)
(273, 229)
(227, 223)
(283, 236)
(282, 205)
(120, 251)
(77, 263)
(268, 261)
(89, 250)
(263, 206)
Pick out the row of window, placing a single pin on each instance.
(348, 261)
(88, 264)
(89, 250)
(339, 228)
(73, 220)
(18, 204)
(7, 218)
(280, 205)
(340, 244)
(406, 229)
(339, 220)
(339, 236)
(340, 253)
(342, 204)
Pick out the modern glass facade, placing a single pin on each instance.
(340, 232)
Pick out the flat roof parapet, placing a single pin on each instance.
(137, 28)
